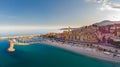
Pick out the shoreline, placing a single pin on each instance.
(84, 51)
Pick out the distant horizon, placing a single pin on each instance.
(30, 27)
(30, 15)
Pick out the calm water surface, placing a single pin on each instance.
(42, 55)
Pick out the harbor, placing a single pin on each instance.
(94, 50)
(21, 40)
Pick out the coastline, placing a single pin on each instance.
(84, 51)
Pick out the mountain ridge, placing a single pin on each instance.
(106, 22)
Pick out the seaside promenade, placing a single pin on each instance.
(94, 50)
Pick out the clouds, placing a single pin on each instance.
(106, 5)
(97, 1)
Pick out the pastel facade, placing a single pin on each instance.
(90, 33)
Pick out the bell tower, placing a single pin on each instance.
(69, 29)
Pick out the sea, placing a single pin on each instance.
(4, 33)
(44, 55)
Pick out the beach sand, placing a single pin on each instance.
(91, 52)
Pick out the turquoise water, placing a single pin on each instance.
(42, 55)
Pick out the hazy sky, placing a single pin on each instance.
(33, 14)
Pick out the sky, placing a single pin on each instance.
(54, 14)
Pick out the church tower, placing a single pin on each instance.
(69, 29)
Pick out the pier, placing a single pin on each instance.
(21, 40)
(11, 47)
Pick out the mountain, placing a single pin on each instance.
(102, 23)
(106, 22)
